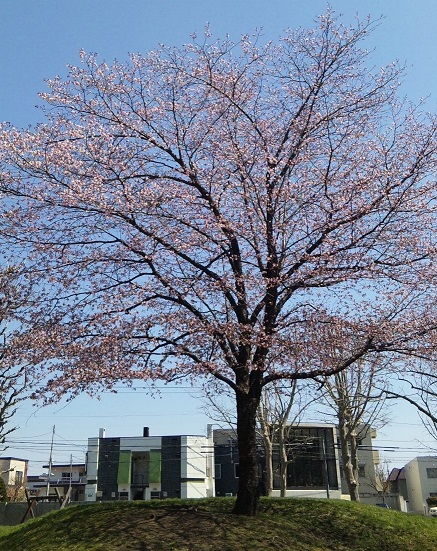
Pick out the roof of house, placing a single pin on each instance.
(64, 465)
(397, 474)
(14, 459)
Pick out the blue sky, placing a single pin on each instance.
(40, 37)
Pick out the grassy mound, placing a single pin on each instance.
(200, 525)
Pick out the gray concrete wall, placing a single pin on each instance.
(13, 513)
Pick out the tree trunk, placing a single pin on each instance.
(248, 484)
(267, 438)
(354, 460)
(348, 470)
(283, 460)
(268, 448)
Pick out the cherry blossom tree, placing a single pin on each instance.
(224, 210)
(14, 338)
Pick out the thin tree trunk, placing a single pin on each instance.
(351, 480)
(283, 460)
(354, 460)
(268, 447)
(266, 434)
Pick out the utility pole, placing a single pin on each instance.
(71, 473)
(50, 463)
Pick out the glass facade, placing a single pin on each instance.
(310, 459)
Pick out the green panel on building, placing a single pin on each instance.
(155, 467)
(124, 467)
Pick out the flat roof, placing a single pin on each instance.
(57, 465)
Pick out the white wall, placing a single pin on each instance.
(91, 492)
(319, 494)
(92, 459)
(9, 468)
(194, 461)
(140, 443)
(193, 490)
(419, 486)
(77, 473)
(193, 457)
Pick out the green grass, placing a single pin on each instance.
(200, 525)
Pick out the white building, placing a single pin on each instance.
(13, 471)
(149, 467)
(421, 479)
(65, 477)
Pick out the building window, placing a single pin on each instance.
(310, 454)
(237, 470)
(362, 470)
(218, 471)
(431, 472)
(18, 478)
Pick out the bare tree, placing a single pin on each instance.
(419, 388)
(382, 482)
(281, 408)
(357, 399)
